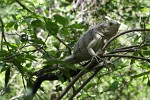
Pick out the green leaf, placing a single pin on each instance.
(51, 26)
(77, 26)
(10, 1)
(14, 17)
(114, 86)
(70, 1)
(18, 65)
(56, 45)
(20, 58)
(58, 88)
(91, 85)
(61, 20)
(141, 74)
(37, 23)
(64, 31)
(145, 10)
(28, 65)
(52, 61)
(31, 57)
(61, 78)
(145, 65)
(146, 52)
(3, 53)
(12, 45)
(15, 26)
(7, 76)
(27, 19)
(36, 40)
(148, 83)
(71, 66)
(132, 61)
(65, 72)
(30, 3)
(136, 53)
(3, 69)
(10, 24)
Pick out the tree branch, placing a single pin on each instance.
(24, 7)
(3, 34)
(92, 63)
(82, 86)
(125, 56)
(128, 48)
(19, 54)
(134, 46)
(116, 36)
(64, 44)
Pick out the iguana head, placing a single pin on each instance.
(109, 28)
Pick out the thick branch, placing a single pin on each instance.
(92, 64)
(88, 80)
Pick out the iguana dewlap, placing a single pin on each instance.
(91, 42)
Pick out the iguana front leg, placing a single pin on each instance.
(96, 41)
(90, 47)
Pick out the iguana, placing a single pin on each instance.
(91, 42)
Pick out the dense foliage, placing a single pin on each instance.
(38, 34)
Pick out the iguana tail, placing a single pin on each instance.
(70, 59)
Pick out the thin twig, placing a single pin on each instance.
(124, 50)
(128, 49)
(3, 34)
(116, 36)
(133, 46)
(10, 57)
(63, 43)
(24, 7)
(126, 56)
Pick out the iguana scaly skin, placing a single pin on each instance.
(91, 42)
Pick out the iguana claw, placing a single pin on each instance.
(97, 58)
